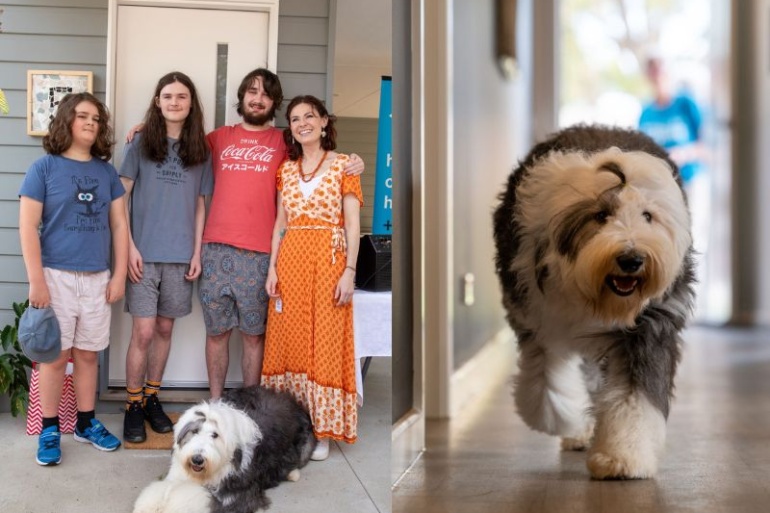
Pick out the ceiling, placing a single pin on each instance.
(362, 56)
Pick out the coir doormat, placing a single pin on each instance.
(156, 441)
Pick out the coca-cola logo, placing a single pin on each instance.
(255, 153)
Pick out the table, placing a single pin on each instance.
(372, 330)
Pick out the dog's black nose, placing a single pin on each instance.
(630, 262)
(197, 460)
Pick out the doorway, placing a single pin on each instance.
(216, 44)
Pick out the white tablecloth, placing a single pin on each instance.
(372, 329)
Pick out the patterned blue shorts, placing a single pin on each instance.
(232, 289)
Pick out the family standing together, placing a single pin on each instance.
(274, 253)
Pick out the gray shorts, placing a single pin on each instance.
(162, 291)
(232, 289)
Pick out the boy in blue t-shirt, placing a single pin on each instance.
(71, 218)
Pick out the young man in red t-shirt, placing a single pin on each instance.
(236, 238)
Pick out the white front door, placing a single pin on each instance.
(152, 41)
(215, 44)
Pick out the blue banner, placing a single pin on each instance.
(382, 223)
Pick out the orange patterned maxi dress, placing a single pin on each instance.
(309, 343)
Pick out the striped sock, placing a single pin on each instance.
(151, 388)
(134, 396)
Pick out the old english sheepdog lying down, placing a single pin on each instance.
(595, 260)
(227, 452)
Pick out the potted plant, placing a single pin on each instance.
(14, 365)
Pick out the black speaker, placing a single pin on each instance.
(373, 266)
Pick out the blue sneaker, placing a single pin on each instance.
(98, 436)
(48, 447)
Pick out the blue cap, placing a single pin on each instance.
(39, 334)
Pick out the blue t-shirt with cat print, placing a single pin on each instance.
(75, 230)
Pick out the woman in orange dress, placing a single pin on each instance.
(309, 346)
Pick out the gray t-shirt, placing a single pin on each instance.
(162, 203)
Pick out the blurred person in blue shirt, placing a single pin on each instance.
(673, 120)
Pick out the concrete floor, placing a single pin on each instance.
(355, 478)
(717, 458)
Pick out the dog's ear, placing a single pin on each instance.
(188, 430)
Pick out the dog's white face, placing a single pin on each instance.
(211, 440)
(614, 225)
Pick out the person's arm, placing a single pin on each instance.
(355, 165)
(351, 209)
(693, 151)
(200, 219)
(686, 153)
(30, 214)
(135, 261)
(116, 288)
(132, 132)
(279, 228)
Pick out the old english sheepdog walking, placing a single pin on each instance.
(595, 259)
(227, 452)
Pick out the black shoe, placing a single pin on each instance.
(153, 411)
(133, 424)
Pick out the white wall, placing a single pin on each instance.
(489, 136)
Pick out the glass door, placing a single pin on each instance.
(661, 66)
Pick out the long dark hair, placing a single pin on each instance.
(191, 147)
(59, 137)
(328, 143)
(271, 85)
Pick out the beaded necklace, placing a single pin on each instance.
(311, 175)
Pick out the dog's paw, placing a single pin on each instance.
(575, 444)
(293, 476)
(580, 442)
(606, 466)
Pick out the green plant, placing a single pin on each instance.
(14, 365)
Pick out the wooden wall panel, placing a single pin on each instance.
(359, 135)
(22, 19)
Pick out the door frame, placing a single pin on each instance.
(265, 6)
(432, 171)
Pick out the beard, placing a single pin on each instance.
(258, 119)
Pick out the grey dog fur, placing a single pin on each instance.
(646, 356)
(286, 444)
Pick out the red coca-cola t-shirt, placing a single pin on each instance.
(242, 211)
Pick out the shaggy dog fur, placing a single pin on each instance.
(595, 259)
(234, 449)
(173, 496)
